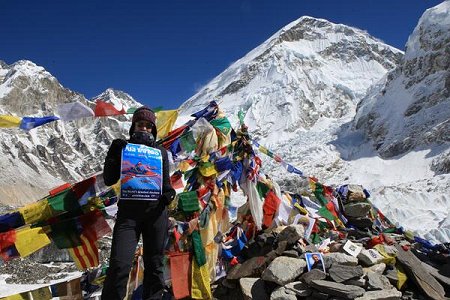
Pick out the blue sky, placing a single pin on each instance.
(162, 52)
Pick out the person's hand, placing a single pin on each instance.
(116, 147)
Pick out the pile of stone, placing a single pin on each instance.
(275, 268)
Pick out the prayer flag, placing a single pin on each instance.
(7, 239)
(223, 124)
(187, 142)
(7, 121)
(86, 255)
(29, 240)
(36, 212)
(165, 120)
(65, 201)
(32, 122)
(176, 180)
(188, 202)
(103, 109)
(95, 223)
(207, 169)
(10, 221)
(73, 111)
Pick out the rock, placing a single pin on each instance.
(252, 267)
(299, 288)
(370, 257)
(340, 273)
(335, 247)
(415, 271)
(357, 209)
(284, 270)
(361, 282)
(361, 223)
(282, 293)
(290, 253)
(253, 288)
(314, 274)
(316, 295)
(377, 281)
(338, 289)
(381, 295)
(291, 234)
(340, 258)
(281, 247)
(378, 268)
(444, 280)
(355, 193)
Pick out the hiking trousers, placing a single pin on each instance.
(134, 218)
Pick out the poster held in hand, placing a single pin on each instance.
(141, 173)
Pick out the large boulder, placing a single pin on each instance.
(284, 270)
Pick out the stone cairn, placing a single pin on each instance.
(358, 264)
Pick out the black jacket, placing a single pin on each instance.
(111, 173)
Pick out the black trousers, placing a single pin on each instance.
(133, 219)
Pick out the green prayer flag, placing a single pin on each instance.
(187, 142)
(324, 212)
(262, 189)
(199, 251)
(222, 124)
(318, 192)
(241, 117)
(66, 201)
(188, 202)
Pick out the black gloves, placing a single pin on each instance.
(116, 147)
(167, 197)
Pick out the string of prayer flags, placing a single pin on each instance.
(7, 121)
(103, 109)
(165, 119)
(29, 123)
(74, 111)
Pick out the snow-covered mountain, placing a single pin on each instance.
(310, 69)
(34, 162)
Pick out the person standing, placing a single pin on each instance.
(138, 217)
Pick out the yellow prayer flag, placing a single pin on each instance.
(29, 240)
(21, 296)
(207, 169)
(165, 119)
(9, 121)
(201, 287)
(36, 212)
(263, 150)
(183, 166)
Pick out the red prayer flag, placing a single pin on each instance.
(59, 189)
(176, 181)
(103, 109)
